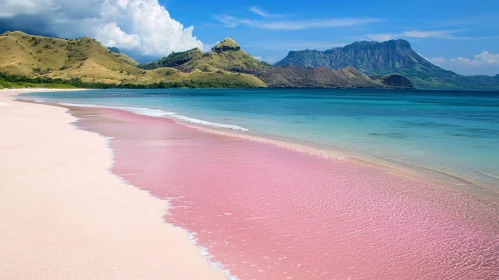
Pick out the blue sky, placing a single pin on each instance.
(462, 36)
(439, 30)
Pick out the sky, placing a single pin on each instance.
(459, 35)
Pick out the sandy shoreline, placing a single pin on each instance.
(415, 172)
(157, 155)
(65, 216)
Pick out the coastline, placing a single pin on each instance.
(412, 171)
(355, 189)
(65, 216)
(477, 185)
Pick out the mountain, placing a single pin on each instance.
(173, 60)
(390, 57)
(89, 61)
(85, 62)
(228, 55)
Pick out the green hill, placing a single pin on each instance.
(226, 55)
(89, 61)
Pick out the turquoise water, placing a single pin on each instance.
(452, 132)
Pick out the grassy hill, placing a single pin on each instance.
(226, 55)
(86, 59)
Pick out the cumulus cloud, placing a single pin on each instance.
(483, 63)
(143, 27)
(487, 58)
(483, 58)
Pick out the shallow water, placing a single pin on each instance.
(452, 132)
(266, 212)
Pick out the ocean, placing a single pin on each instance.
(454, 133)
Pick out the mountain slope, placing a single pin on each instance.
(173, 60)
(88, 60)
(229, 56)
(394, 56)
(226, 55)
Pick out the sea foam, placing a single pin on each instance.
(160, 113)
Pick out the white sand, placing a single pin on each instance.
(64, 216)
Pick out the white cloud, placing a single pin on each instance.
(425, 34)
(482, 59)
(139, 26)
(483, 63)
(259, 12)
(437, 60)
(286, 45)
(262, 13)
(443, 34)
(269, 60)
(14, 7)
(487, 58)
(111, 35)
(230, 21)
(381, 37)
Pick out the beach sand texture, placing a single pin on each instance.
(63, 215)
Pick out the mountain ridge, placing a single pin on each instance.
(390, 57)
(87, 60)
(229, 56)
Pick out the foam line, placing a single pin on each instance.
(161, 113)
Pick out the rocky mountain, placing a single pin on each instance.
(228, 56)
(390, 57)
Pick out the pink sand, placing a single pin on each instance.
(266, 212)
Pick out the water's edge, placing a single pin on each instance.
(412, 171)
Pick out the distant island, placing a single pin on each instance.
(35, 61)
(394, 56)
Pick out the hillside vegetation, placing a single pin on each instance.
(229, 56)
(88, 60)
(85, 62)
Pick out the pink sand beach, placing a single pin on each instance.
(63, 215)
(265, 212)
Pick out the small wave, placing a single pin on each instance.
(135, 110)
(160, 113)
(207, 123)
